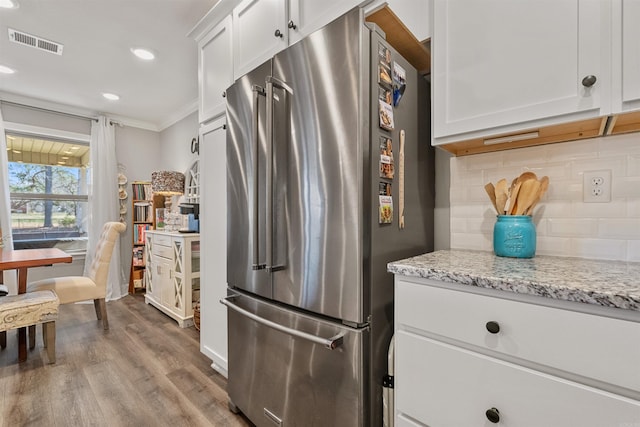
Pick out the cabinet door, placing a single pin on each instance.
(626, 60)
(306, 16)
(259, 31)
(442, 385)
(215, 69)
(501, 66)
(213, 241)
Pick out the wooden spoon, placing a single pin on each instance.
(529, 190)
(502, 193)
(512, 201)
(544, 185)
(491, 191)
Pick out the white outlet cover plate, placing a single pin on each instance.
(596, 186)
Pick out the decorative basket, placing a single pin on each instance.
(196, 315)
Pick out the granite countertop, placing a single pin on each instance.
(606, 283)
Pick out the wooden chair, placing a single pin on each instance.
(72, 289)
(28, 310)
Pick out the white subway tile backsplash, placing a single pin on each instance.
(613, 145)
(485, 161)
(599, 248)
(625, 188)
(458, 225)
(470, 241)
(633, 164)
(623, 228)
(566, 225)
(572, 227)
(585, 149)
(633, 250)
(614, 209)
(555, 246)
(617, 165)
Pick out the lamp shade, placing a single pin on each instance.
(168, 183)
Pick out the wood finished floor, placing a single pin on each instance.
(144, 371)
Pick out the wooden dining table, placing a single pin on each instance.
(22, 260)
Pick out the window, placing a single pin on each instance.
(48, 190)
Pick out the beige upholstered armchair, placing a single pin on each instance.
(94, 285)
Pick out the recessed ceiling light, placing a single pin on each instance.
(141, 53)
(111, 96)
(75, 148)
(9, 4)
(6, 70)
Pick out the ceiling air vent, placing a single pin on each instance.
(35, 41)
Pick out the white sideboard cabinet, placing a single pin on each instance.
(466, 359)
(173, 273)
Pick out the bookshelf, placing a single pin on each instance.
(143, 218)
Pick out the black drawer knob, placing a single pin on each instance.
(493, 327)
(493, 415)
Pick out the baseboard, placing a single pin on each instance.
(219, 363)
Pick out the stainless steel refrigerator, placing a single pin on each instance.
(314, 189)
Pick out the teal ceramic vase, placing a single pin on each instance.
(514, 236)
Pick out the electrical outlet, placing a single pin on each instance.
(596, 186)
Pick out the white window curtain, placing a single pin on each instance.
(103, 200)
(5, 206)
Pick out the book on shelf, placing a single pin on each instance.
(139, 231)
(142, 191)
(138, 256)
(142, 212)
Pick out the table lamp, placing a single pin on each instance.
(167, 183)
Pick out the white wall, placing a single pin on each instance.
(566, 226)
(138, 153)
(175, 144)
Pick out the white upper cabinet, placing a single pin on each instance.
(626, 51)
(259, 31)
(501, 66)
(262, 28)
(215, 69)
(306, 16)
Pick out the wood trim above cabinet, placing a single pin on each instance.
(402, 40)
(547, 135)
(624, 123)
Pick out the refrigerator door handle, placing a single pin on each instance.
(271, 83)
(257, 92)
(330, 343)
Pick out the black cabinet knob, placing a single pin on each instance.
(589, 81)
(493, 415)
(493, 327)
(292, 25)
(224, 94)
(278, 33)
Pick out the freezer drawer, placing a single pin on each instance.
(279, 376)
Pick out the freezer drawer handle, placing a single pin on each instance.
(330, 343)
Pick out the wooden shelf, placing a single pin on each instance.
(136, 276)
(402, 40)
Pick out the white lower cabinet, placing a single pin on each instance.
(464, 359)
(173, 274)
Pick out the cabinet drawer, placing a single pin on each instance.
(163, 251)
(593, 346)
(443, 385)
(159, 239)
